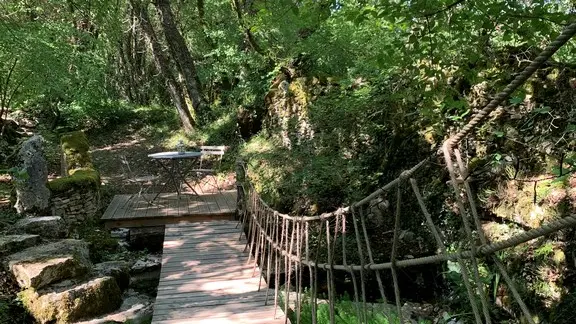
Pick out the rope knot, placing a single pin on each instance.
(404, 175)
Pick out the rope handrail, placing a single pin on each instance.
(340, 210)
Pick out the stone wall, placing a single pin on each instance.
(76, 195)
(76, 205)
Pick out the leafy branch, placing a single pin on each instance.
(448, 7)
(6, 92)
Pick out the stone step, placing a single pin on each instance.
(68, 304)
(51, 227)
(136, 308)
(42, 265)
(15, 243)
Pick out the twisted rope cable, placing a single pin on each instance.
(360, 254)
(370, 256)
(468, 231)
(395, 250)
(341, 210)
(442, 248)
(568, 32)
(330, 269)
(483, 240)
(359, 314)
(568, 221)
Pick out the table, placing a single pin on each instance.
(172, 167)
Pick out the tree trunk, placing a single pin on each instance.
(163, 67)
(180, 53)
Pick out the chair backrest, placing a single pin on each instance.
(213, 150)
(126, 167)
(207, 151)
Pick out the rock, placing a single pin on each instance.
(146, 283)
(148, 263)
(15, 243)
(119, 270)
(45, 226)
(145, 274)
(42, 265)
(32, 194)
(136, 309)
(66, 305)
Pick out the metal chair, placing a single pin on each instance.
(143, 182)
(210, 160)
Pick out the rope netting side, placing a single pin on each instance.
(284, 245)
(281, 249)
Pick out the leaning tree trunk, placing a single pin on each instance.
(204, 25)
(163, 66)
(249, 37)
(180, 53)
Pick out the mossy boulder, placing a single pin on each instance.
(75, 148)
(83, 178)
(70, 304)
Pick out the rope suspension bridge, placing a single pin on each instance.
(302, 257)
(284, 247)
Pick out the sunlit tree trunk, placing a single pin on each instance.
(163, 66)
(180, 53)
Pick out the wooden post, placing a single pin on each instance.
(240, 180)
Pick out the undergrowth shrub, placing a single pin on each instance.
(12, 311)
(100, 244)
(347, 311)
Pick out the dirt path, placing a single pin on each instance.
(135, 148)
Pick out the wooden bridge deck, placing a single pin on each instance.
(205, 278)
(131, 211)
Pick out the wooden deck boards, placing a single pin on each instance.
(205, 278)
(131, 211)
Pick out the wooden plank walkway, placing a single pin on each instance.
(205, 278)
(129, 211)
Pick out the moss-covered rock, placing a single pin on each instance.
(76, 151)
(78, 179)
(67, 305)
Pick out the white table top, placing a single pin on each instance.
(175, 155)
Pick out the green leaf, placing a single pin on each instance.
(499, 133)
(517, 99)
(542, 110)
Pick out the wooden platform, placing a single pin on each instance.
(169, 208)
(205, 278)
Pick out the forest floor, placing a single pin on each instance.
(107, 150)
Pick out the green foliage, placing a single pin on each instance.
(8, 217)
(12, 311)
(99, 115)
(16, 173)
(100, 244)
(347, 312)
